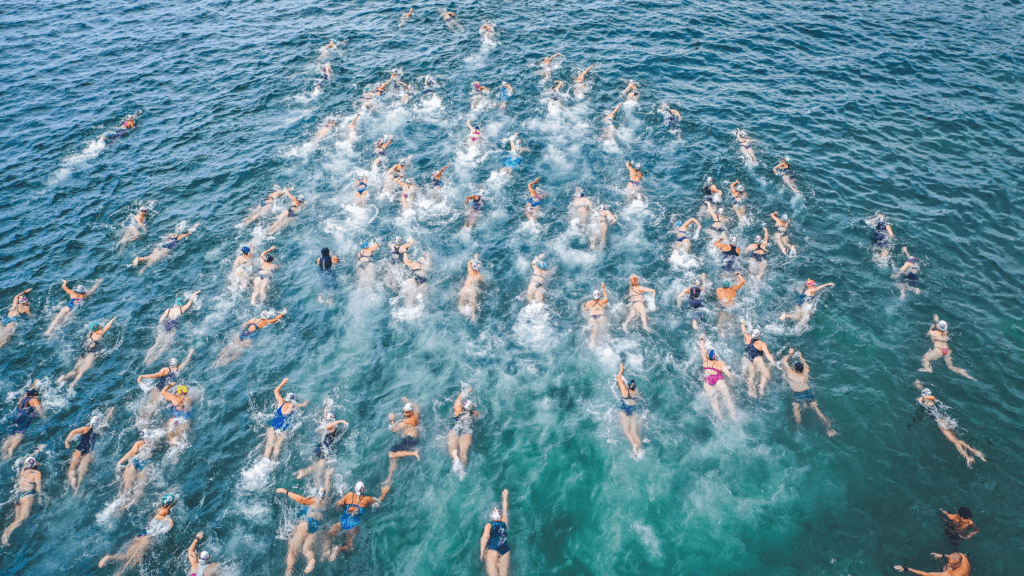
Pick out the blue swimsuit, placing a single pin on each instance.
(499, 538)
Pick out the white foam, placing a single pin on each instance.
(73, 162)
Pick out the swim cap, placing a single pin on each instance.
(266, 315)
(756, 333)
(30, 462)
(408, 407)
(469, 404)
(712, 355)
(798, 366)
(289, 397)
(785, 217)
(408, 180)
(94, 421)
(926, 391)
(172, 362)
(168, 499)
(80, 288)
(181, 226)
(360, 488)
(320, 492)
(364, 244)
(380, 140)
(22, 299)
(679, 223)
(964, 512)
(634, 279)
(204, 557)
(325, 252)
(740, 188)
(602, 207)
(145, 434)
(732, 239)
(180, 301)
(245, 250)
(181, 389)
(495, 514)
(743, 133)
(329, 416)
(726, 284)
(911, 259)
(809, 282)
(720, 209)
(709, 180)
(943, 326)
(32, 393)
(542, 265)
(398, 239)
(94, 326)
(475, 264)
(632, 384)
(301, 198)
(955, 559)
(597, 294)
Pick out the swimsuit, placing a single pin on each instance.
(405, 444)
(729, 256)
(752, 351)
(419, 277)
(75, 302)
(86, 441)
(636, 297)
(628, 405)
(312, 523)
(756, 255)
(23, 416)
(513, 160)
(142, 456)
(498, 540)
(167, 379)
(803, 396)
(713, 379)
(463, 423)
(177, 413)
(174, 241)
(170, 325)
(22, 494)
(281, 420)
(348, 520)
(695, 301)
(325, 443)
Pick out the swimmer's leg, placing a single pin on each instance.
(929, 357)
(796, 412)
(824, 420)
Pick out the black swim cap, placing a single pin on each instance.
(269, 258)
(326, 253)
(964, 512)
(799, 366)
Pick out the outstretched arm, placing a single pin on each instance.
(604, 295)
(504, 506)
(263, 255)
(621, 382)
(277, 391)
(73, 433)
(193, 559)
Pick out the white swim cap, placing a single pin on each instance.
(597, 294)
(943, 326)
(29, 462)
(95, 421)
(360, 487)
(926, 391)
(329, 416)
(204, 557)
(469, 404)
(289, 397)
(172, 362)
(495, 514)
(740, 188)
(408, 407)
(756, 333)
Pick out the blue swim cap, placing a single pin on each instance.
(245, 249)
(535, 201)
(364, 244)
(712, 355)
(180, 301)
(679, 223)
(94, 326)
(542, 265)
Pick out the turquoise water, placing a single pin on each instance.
(910, 110)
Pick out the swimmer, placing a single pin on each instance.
(166, 376)
(474, 133)
(636, 303)
(361, 193)
(409, 432)
(726, 295)
(710, 190)
(449, 17)
(956, 565)
(959, 526)
(882, 237)
(480, 93)
(908, 274)
(311, 516)
(78, 296)
(93, 347)
(325, 129)
(505, 92)
(535, 291)
(632, 92)
(757, 351)
(266, 205)
(474, 210)
(515, 154)
(556, 94)
(581, 205)
(326, 48)
(331, 430)
(627, 411)
(408, 195)
(240, 268)
(781, 228)
(730, 252)
(546, 65)
(435, 178)
(808, 299)
(200, 563)
(739, 196)
(494, 550)
(406, 16)
(181, 231)
(167, 325)
(352, 127)
(364, 261)
(692, 296)
(143, 541)
(18, 308)
(326, 263)
(798, 377)
(252, 328)
(533, 204)
(26, 488)
(126, 126)
(608, 124)
(579, 86)
(136, 227)
(671, 118)
(286, 406)
(180, 411)
(758, 251)
(746, 145)
(87, 435)
(261, 280)
(354, 506)
(418, 283)
(939, 334)
(394, 176)
(28, 408)
(487, 31)
(946, 424)
(135, 462)
(718, 219)
(370, 97)
(593, 311)
(599, 232)
(469, 304)
(715, 386)
(684, 236)
(380, 151)
(288, 214)
(460, 437)
(635, 176)
(398, 249)
(783, 170)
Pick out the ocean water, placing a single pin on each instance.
(913, 110)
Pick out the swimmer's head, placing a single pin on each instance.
(679, 223)
(475, 265)
(364, 244)
(245, 250)
(94, 421)
(709, 181)
(173, 363)
(755, 334)
(94, 326)
(912, 259)
(720, 209)
(408, 407)
(632, 384)
(726, 284)
(22, 299)
(964, 512)
(495, 514)
(204, 557)
(943, 326)
(268, 258)
(180, 301)
(740, 188)
(712, 355)
(320, 493)
(469, 405)
(289, 397)
(380, 141)
(634, 280)
(301, 198)
(80, 289)
(360, 488)
(181, 227)
(476, 126)
(398, 239)
(32, 393)
(325, 252)
(266, 315)
(785, 217)
(798, 366)
(145, 434)
(597, 294)
(29, 462)
(732, 239)
(696, 281)
(168, 500)
(602, 207)
(809, 283)
(329, 416)
(542, 265)
(743, 133)
(181, 389)
(926, 392)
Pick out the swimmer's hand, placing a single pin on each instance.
(281, 491)
(199, 536)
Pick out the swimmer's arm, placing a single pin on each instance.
(383, 492)
(306, 500)
(682, 295)
(604, 294)
(103, 330)
(441, 171)
(132, 452)
(621, 382)
(778, 166)
(614, 219)
(902, 269)
(35, 403)
(73, 433)
(484, 538)
(275, 319)
(531, 185)
(192, 558)
(302, 404)
(457, 408)
(64, 285)
(691, 221)
(294, 199)
(703, 350)
(504, 506)
(277, 391)
(972, 533)
(768, 354)
(168, 396)
(158, 374)
(742, 282)
(469, 124)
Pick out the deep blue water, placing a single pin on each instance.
(913, 110)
